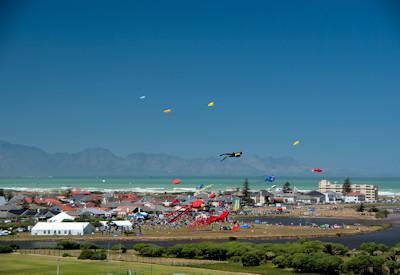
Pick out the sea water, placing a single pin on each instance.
(160, 185)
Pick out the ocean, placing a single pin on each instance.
(387, 186)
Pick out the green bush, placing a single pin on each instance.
(5, 249)
(250, 259)
(372, 248)
(235, 259)
(67, 245)
(119, 246)
(392, 266)
(84, 246)
(364, 264)
(149, 250)
(87, 254)
(99, 255)
(381, 214)
(335, 249)
(66, 255)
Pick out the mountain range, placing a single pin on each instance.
(25, 161)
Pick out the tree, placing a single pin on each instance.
(286, 187)
(360, 207)
(347, 186)
(246, 194)
(250, 259)
(358, 265)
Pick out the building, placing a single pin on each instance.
(62, 228)
(333, 197)
(261, 197)
(370, 191)
(354, 197)
(61, 217)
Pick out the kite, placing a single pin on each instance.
(211, 104)
(270, 178)
(167, 111)
(296, 142)
(176, 181)
(142, 97)
(317, 170)
(231, 155)
(200, 186)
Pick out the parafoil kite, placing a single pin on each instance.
(167, 111)
(231, 155)
(270, 178)
(296, 142)
(200, 186)
(176, 181)
(317, 170)
(211, 104)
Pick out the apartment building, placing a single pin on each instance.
(370, 191)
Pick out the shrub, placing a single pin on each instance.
(139, 246)
(372, 248)
(236, 259)
(381, 214)
(89, 246)
(87, 254)
(99, 255)
(392, 266)
(66, 255)
(67, 245)
(119, 246)
(250, 259)
(335, 249)
(5, 249)
(363, 263)
(149, 250)
(14, 246)
(282, 261)
(327, 264)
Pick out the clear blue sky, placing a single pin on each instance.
(325, 72)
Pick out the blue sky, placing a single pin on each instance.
(325, 72)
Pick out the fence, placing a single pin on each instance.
(125, 257)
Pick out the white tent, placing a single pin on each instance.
(62, 228)
(60, 217)
(126, 225)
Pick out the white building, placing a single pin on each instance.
(354, 197)
(60, 217)
(62, 228)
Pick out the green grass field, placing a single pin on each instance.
(13, 264)
(265, 269)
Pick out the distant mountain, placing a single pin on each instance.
(21, 161)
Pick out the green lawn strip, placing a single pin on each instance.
(261, 269)
(15, 264)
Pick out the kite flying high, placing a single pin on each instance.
(231, 155)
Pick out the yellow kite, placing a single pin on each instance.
(167, 111)
(211, 104)
(296, 142)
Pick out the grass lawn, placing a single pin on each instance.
(262, 269)
(12, 264)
